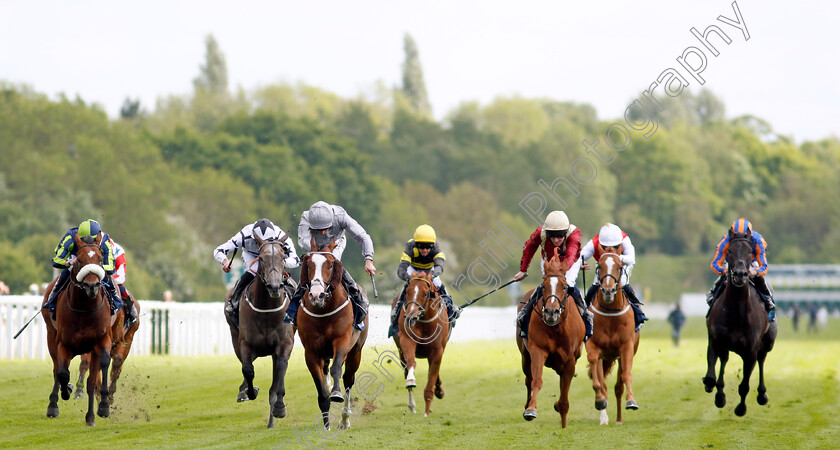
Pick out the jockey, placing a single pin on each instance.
(119, 279)
(608, 240)
(65, 256)
(758, 267)
(556, 233)
(422, 254)
(245, 239)
(325, 222)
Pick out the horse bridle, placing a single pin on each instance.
(80, 286)
(562, 301)
(327, 287)
(621, 273)
(282, 257)
(429, 296)
(729, 268)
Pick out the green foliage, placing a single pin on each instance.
(413, 84)
(19, 268)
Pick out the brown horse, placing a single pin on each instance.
(261, 331)
(424, 330)
(737, 322)
(120, 347)
(555, 339)
(325, 328)
(83, 325)
(613, 338)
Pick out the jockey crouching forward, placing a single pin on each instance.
(422, 254)
(325, 223)
(555, 235)
(119, 278)
(758, 267)
(65, 256)
(608, 240)
(244, 239)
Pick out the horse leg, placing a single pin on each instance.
(335, 373)
(435, 359)
(526, 369)
(118, 356)
(762, 390)
(439, 392)
(281, 364)
(744, 387)
(711, 361)
(63, 374)
(596, 373)
(409, 347)
(566, 375)
(248, 357)
(538, 357)
(52, 346)
(104, 409)
(84, 365)
(625, 366)
(354, 360)
(720, 396)
(619, 391)
(315, 364)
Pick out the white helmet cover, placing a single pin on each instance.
(610, 235)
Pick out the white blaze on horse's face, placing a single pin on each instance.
(317, 286)
(553, 282)
(91, 253)
(609, 292)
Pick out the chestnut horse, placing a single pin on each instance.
(424, 330)
(613, 338)
(83, 325)
(261, 331)
(555, 339)
(120, 346)
(737, 322)
(325, 328)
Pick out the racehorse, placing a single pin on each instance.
(121, 344)
(83, 325)
(325, 328)
(613, 338)
(261, 331)
(737, 322)
(555, 339)
(423, 332)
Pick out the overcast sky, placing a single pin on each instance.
(599, 52)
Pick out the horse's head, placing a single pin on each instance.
(87, 269)
(609, 273)
(322, 273)
(739, 257)
(419, 294)
(554, 291)
(272, 266)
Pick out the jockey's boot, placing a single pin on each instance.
(360, 304)
(232, 305)
(638, 314)
(523, 319)
(394, 329)
(766, 295)
(453, 310)
(130, 313)
(114, 294)
(294, 304)
(590, 294)
(714, 291)
(585, 313)
(59, 286)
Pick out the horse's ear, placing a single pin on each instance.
(337, 274)
(620, 249)
(564, 266)
(332, 245)
(99, 238)
(283, 239)
(77, 240)
(258, 240)
(312, 245)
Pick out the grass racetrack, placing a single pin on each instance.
(190, 402)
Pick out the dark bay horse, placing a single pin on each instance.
(120, 347)
(613, 338)
(325, 328)
(423, 332)
(555, 339)
(83, 325)
(737, 322)
(261, 330)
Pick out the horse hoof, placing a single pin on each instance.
(90, 424)
(344, 425)
(52, 411)
(557, 407)
(242, 397)
(65, 393)
(279, 411)
(530, 414)
(254, 395)
(104, 411)
(439, 393)
(411, 383)
(412, 410)
(600, 404)
(78, 395)
(740, 410)
(709, 384)
(631, 404)
(336, 397)
(720, 399)
(762, 399)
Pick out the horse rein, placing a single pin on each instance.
(79, 285)
(327, 291)
(729, 269)
(562, 301)
(429, 295)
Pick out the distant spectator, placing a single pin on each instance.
(812, 317)
(34, 289)
(796, 313)
(167, 296)
(677, 319)
(4, 290)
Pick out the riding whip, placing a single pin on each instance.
(494, 290)
(27, 324)
(373, 282)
